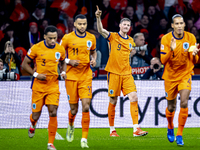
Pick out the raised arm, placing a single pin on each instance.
(100, 28)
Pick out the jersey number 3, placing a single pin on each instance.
(43, 62)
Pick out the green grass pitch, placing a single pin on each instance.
(98, 139)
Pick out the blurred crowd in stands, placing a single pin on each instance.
(22, 23)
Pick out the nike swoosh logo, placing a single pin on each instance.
(74, 44)
(42, 54)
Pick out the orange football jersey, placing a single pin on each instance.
(47, 60)
(119, 59)
(180, 62)
(78, 48)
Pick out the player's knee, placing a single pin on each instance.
(113, 100)
(171, 108)
(35, 117)
(133, 98)
(184, 104)
(86, 108)
(74, 111)
(53, 113)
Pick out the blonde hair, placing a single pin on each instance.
(8, 56)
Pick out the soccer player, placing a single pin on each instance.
(178, 59)
(45, 88)
(80, 46)
(119, 72)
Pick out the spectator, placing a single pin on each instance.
(45, 23)
(9, 36)
(146, 35)
(189, 24)
(154, 17)
(38, 14)
(2, 70)
(2, 30)
(70, 25)
(1, 64)
(156, 51)
(140, 56)
(142, 24)
(32, 37)
(61, 31)
(10, 58)
(194, 30)
(140, 8)
(109, 17)
(129, 13)
(167, 6)
(155, 71)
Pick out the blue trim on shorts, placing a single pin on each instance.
(33, 79)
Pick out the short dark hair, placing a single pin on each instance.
(80, 16)
(125, 19)
(137, 35)
(175, 16)
(50, 28)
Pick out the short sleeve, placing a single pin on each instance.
(94, 43)
(193, 40)
(63, 54)
(32, 52)
(64, 41)
(164, 46)
(110, 36)
(133, 44)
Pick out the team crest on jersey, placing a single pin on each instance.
(89, 44)
(166, 95)
(162, 47)
(68, 97)
(185, 45)
(130, 46)
(57, 55)
(111, 91)
(34, 106)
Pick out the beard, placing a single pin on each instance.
(80, 31)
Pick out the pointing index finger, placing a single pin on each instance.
(97, 7)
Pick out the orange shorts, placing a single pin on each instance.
(173, 87)
(40, 98)
(78, 89)
(116, 83)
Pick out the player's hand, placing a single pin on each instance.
(41, 77)
(98, 13)
(196, 50)
(74, 63)
(93, 63)
(64, 76)
(173, 44)
(13, 51)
